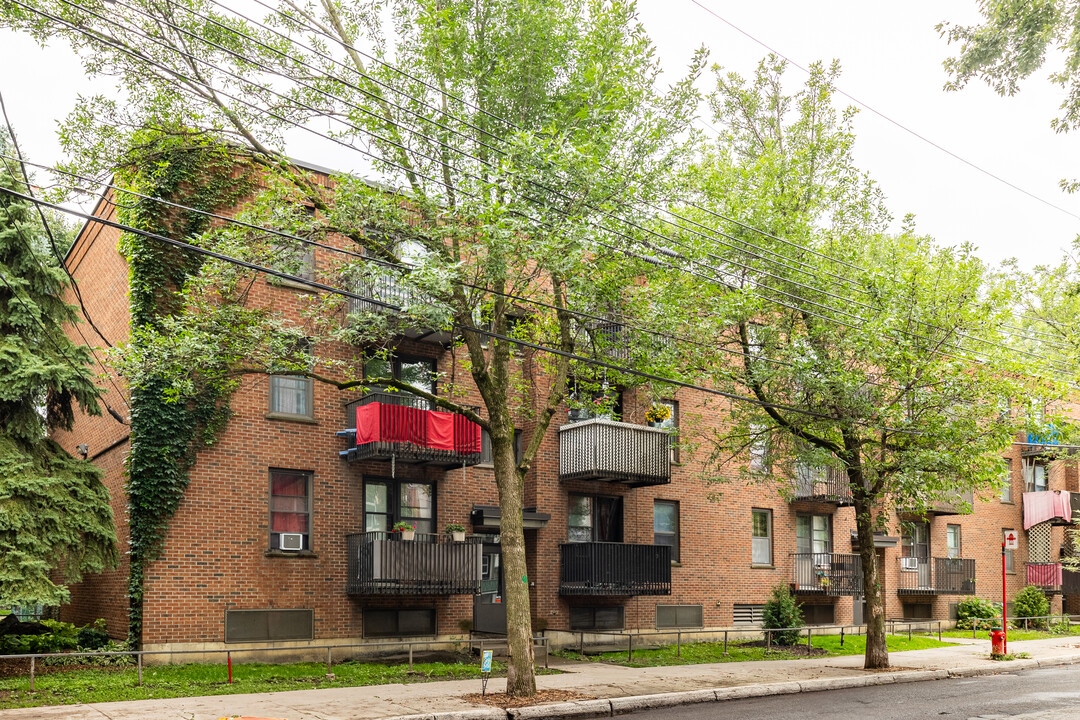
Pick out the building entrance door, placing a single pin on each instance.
(489, 608)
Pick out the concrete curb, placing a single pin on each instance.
(634, 703)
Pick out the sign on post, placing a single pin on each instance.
(1012, 540)
(485, 669)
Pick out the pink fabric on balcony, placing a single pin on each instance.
(1044, 574)
(440, 430)
(368, 424)
(1047, 505)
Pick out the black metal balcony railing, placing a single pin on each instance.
(936, 576)
(406, 433)
(826, 574)
(822, 484)
(382, 563)
(600, 568)
(612, 339)
(385, 288)
(1070, 582)
(1045, 576)
(614, 451)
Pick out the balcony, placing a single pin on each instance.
(936, 576)
(1057, 508)
(1070, 582)
(404, 428)
(381, 563)
(817, 483)
(614, 451)
(389, 294)
(961, 503)
(601, 568)
(831, 574)
(1042, 443)
(1048, 577)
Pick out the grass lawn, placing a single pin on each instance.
(712, 652)
(1014, 634)
(91, 685)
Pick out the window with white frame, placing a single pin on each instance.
(761, 537)
(290, 509)
(1006, 482)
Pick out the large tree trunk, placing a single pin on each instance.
(520, 677)
(877, 651)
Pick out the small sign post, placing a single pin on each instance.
(1010, 541)
(485, 671)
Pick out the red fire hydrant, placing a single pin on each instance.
(997, 642)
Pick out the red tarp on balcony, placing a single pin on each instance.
(1044, 574)
(381, 422)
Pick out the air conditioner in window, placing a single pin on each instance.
(909, 563)
(291, 541)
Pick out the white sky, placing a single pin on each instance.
(891, 56)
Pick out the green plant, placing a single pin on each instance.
(975, 608)
(93, 637)
(1031, 602)
(454, 527)
(658, 413)
(402, 526)
(781, 612)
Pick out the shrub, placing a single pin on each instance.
(1031, 602)
(967, 611)
(93, 637)
(782, 612)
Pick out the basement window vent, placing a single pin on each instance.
(749, 614)
(268, 625)
(680, 616)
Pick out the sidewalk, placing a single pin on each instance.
(617, 689)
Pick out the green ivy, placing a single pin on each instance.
(165, 431)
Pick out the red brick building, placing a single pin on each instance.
(282, 533)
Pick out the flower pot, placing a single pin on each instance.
(458, 536)
(407, 534)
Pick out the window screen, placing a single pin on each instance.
(676, 616)
(596, 618)
(268, 625)
(399, 623)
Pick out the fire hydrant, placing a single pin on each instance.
(997, 642)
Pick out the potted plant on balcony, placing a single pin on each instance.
(657, 414)
(456, 531)
(407, 531)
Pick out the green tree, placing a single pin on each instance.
(517, 132)
(859, 346)
(54, 511)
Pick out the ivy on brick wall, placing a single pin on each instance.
(167, 427)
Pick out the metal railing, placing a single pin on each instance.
(385, 287)
(614, 451)
(600, 568)
(826, 574)
(822, 483)
(405, 432)
(936, 576)
(139, 655)
(382, 563)
(1048, 577)
(1070, 582)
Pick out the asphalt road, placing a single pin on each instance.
(1051, 693)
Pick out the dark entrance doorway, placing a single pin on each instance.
(489, 608)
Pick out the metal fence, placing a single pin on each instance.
(382, 563)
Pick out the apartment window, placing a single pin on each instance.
(604, 403)
(915, 540)
(291, 395)
(485, 447)
(1006, 482)
(596, 618)
(680, 616)
(1010, 567)
(420, 373)
(761, 537)
(952, 541)
(269, 625)
(403, 622)
(813, 534)
(666, 526)
(1035, 477)
(594, 518)
(295, 258)
(290, 506)
(390, 501)
(671, 424)
(759, 450)
(819, 614)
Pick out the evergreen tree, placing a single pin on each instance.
(55, 518)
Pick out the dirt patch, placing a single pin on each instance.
(884, 670)
(504, 701)
(790, 649)
(14, 668)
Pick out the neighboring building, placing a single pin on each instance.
(283, 531)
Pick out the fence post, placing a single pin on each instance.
(31, 673)
(547, 651)
(581, 645)
(909, 632)
(725, 642)
(974, 627)
(410, 657)
(841, 636)
(629, 647)
(678, 644)
(939, 631)
(809, 636)
(140, 668)
(329, 660)
(768, 640)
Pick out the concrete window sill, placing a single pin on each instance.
(762, 567)
(291, 418)
(291, 284)
(296, 555)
